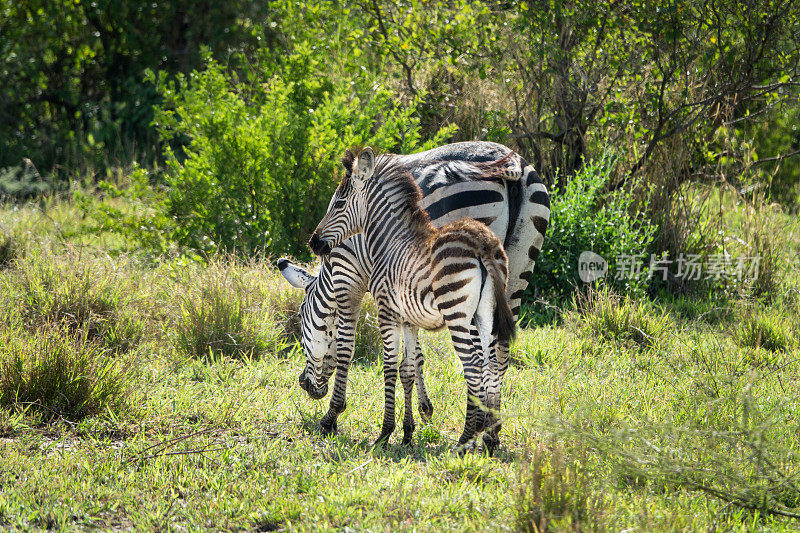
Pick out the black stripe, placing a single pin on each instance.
(533, 177)
(450, 303)
(461, 200)
(540, 224)
(450, 287)
(541, 198)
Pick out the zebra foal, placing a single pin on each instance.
(454, 276)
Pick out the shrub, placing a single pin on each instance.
(73, 293)
(584, 217)
(610, 316)
(259, 167)
(22, 183)
(58, 373)
(223, 312)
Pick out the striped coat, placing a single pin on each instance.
(454, 182)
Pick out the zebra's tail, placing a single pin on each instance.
(496, 264)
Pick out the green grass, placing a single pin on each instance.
(631, 415)
(56, 374)
(77, 290)
(604, 314)
(770, 331)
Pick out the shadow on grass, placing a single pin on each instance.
(342, 447)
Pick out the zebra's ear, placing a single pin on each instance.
(296, 276)
(364, 166)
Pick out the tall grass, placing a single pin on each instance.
(557, 493)
(10, 249)
(58, 373)
(609, 316)
(770, 331)
(77, 292)
(226, 308)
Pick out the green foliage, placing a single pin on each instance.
(73, 94)
(76, 294)
(609, 316)
(259, 169)
(133, 208)
(585, 217)
(58, 373)
(18, 183)
(758, 329)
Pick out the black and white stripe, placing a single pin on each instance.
(455, 183)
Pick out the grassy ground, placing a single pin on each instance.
(639, 416)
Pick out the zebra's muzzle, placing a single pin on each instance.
(313, 392)
(318, 246)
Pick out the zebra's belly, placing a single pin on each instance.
(417, 307)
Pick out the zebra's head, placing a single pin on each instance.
(348, 208)
(317, 328)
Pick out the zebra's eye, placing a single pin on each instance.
(338, 204)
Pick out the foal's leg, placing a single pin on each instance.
(407, 371)
(345, 345)
(425, 405)
(492, 380)
(390, 332)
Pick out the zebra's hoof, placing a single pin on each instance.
(426, 411)
(328, 429)
(462, 449)
(490, 444)
(383, 439)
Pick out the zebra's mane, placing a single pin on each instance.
(406, 194)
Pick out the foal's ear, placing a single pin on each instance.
(364, 165)
(296, 276)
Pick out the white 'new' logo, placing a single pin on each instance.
(591, 266)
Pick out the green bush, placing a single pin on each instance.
(585, 217)
(259, 166)
(224, 312)
(609, 316)
(73, 293)
(58, 373)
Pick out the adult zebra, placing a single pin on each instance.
(457, 180)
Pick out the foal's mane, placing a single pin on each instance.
(389, 170)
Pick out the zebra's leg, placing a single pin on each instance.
(484, 320)
(481, 355)
(491, 439)
(407, 371)
(425, 405)
(390, 332)
(471, 357)
(345, 345)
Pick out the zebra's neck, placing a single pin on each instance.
(394, 217)
(321, 295)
